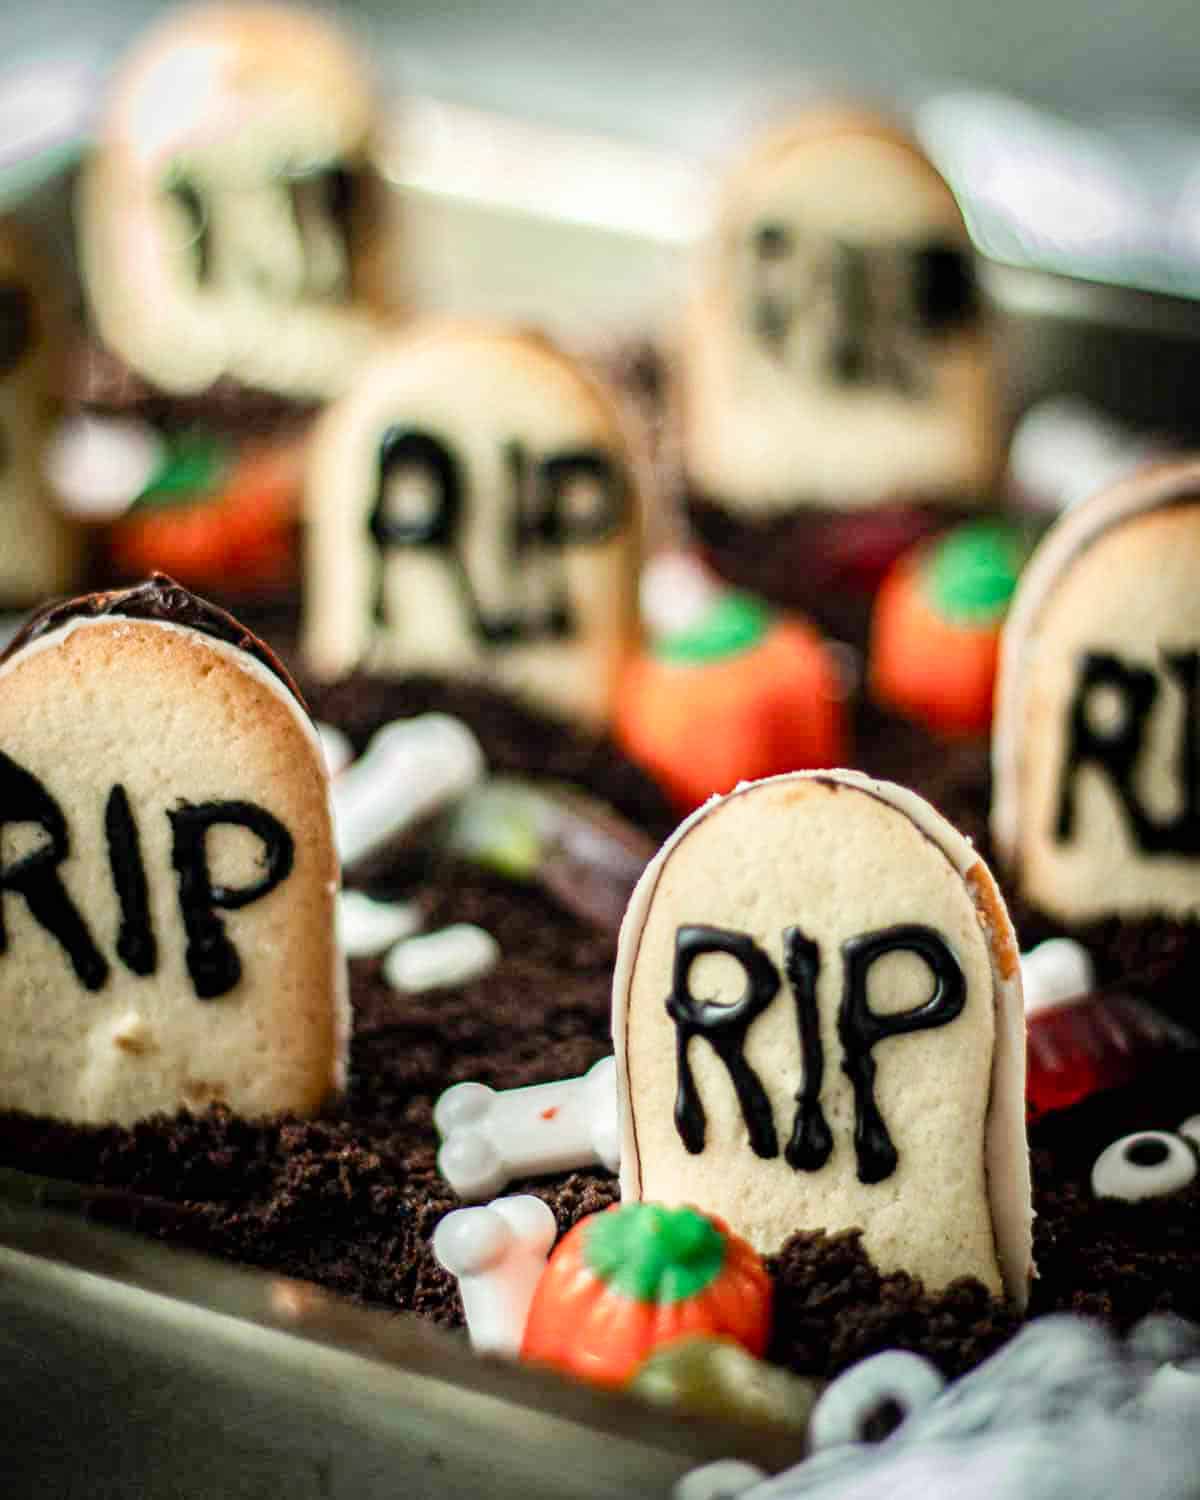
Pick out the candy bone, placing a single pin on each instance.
(489, 1136)
(675, 592)
(336, 748)
(367, 927)
(98, 466)
(452, 955)
(1055, 972)
(410, 769)
(497, 1253)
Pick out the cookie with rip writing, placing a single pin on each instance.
(835, 350)
(167, 869)
(230, 222)
(818, 1024)
(472, 509)
(1096, 746)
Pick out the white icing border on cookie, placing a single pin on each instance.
(1006, 1151)
(1148, 489)
(261, 674)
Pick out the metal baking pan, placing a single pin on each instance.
(130, 1369)
(1131, 352)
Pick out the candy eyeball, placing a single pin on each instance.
(885, 1389)
(1147, 1164)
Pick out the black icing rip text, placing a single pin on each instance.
(1115, 749)
(212, 960)
(724, 1027)
(873, 310)
(213, 963)
(575, 498)
(860, 1030)
(34, 875)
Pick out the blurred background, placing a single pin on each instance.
(556, 159)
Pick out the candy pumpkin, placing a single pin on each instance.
(935, 631)
(627, 1281)
(744, 694)
(213, 520)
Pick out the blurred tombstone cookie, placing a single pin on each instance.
(1096, 749)
(837, 389)
(834, 351)
(39, 547)
(817, 1022)
(224, 213)
(167, 868)
(472, 509)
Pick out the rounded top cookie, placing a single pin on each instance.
(472, 507)
(1096, 753)
(834, 351)
(219, 232)
(216, 91)
(167, 870)
(817, 1021)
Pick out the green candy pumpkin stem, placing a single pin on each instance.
(653, 1254)
(733, 623)
(971, 573)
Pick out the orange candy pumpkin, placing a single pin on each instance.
(935, 631)
(627, 1281)
(217, 525)
(746, 695)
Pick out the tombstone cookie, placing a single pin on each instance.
(222, 214)
(835, 363)
(168, 872)
(39, 548)
(817, 1022)
(1096, 799)
(471, 509)
(833, 350)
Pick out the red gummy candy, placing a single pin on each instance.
(1098, 1042)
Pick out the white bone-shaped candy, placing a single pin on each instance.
(98, 466)
(451, 955)
(498, 1254)
(367, 927)
(410, 769)
(1054, 972)
(336, 746)
(675, 592)
(490, 1137)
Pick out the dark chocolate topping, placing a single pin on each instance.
(158, 598)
